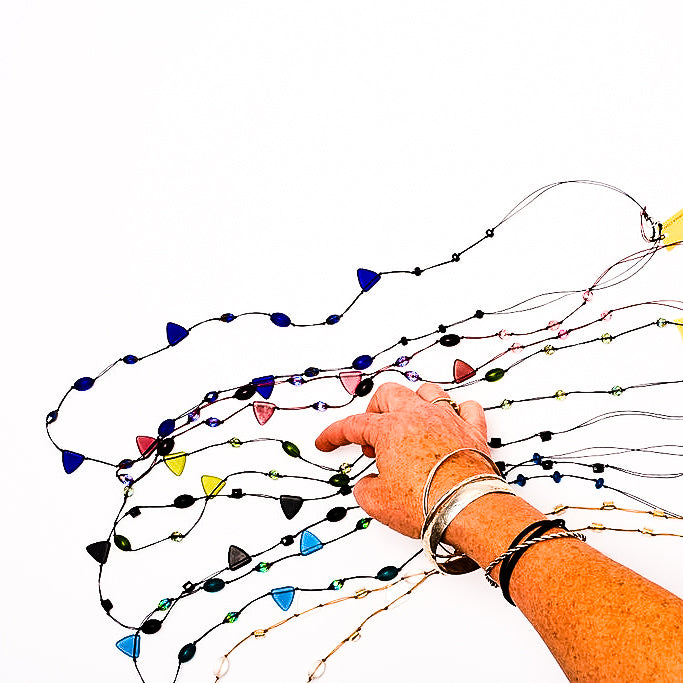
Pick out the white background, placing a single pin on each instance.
(173, 161)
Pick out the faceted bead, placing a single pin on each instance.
(516, 348)
(130, 359)
(263, 411)
(235, 442)
(364, 387)
(339, 479)
(606, 338)
(506, 404)
(606, 315)
(165, 446)
(126, 479)
(336, 514)
(212, 421)
(587, 295)
(296, 380)
(176, 536)
(211, 397)
(345, 467)
(412, 376)
(175, 333)
(222, 667)
(176, 462)
(321, 406)
(317, 670)
(557, 477)
(661, 322)
(287, 540)
(193, 416)
(151, 626)
(563, 334)
(166, 428)
(367, 279)
(264, 385)
(503, 333)
(462, 371)
(212, 485)
(337, 584)
(402, 361)
(125, 464)
(553, 325)
(311, 372)
(121, 542)
(280, 320)
(262, 567)
(83, 384)
(547, 464)
(227, 317)
(274, 474)
(549, 349)
(214, 585)
(536, 458)
(309, 543)
(332, 319)
(183, 501)
(362, 362)
(237, 558)
(387, 573)
(130, 645)
(245, 393)
(231, 617)
(52, 417)
(164, 604)
(403, 341)
(521, 480)
(187, 652)
(560, 395)
(350, 380)
(71, 461)
(449, 340)
(616, 391)
(363, 523)
(599, 483)
(479, 314)
(494, 375)
(598, 468)
(283, 597)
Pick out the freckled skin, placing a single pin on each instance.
(600, 620)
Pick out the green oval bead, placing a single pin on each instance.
(387, 573)
(339, 479)
(291, 449)
(262, 567)
(231, 617)
(363, 523)
(187, 652)
(494, 375)
(165, 604)
(214, 585)
(122, 543)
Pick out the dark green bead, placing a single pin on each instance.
(214, 585)
(231, 617)
(363, 523)
(387, 573)
(494, 375)
(339, 479)
(291, 449)
(187, 652)
(122, 543)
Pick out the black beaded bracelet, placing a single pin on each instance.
(508, 564)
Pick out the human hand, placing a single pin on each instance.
(408, 435)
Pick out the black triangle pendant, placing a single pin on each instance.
(237, 558)
(291, 505)
(99, 551)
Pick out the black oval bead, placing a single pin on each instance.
(479, 314)
(345, 490)
(336, 514)
(442, 328)
(187, 652)
(214, 585)
(287, 540)
(311, 372)
(165, 446)
(125, 464)
(245, 393)
(151, 626)
(387, 573)
(365, 387)
(449, 340)
(185, 500)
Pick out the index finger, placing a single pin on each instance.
(359, 429)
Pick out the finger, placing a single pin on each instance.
(392, 397)
(358, 429)
(473, 413)
(367, 493)
(430, 391)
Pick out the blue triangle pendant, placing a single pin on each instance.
(130, 645)
(71, 461)
(367, 279)
(309, 543)
(175, 333)
(264, 385)
(284, 597)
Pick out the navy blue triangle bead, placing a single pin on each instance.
(84, 383)
(166, 428)
(362, 362)
(71, 461)
(264, 385)
(280, 319)
(175, 333)
(284, 597)
(130, 645)
(367, 279)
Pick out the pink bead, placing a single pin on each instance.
(587, 295)
(553, 325)
(606, 315)
(562, 334)
(516, 348)
(503, 333)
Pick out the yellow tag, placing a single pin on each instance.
(680, 325)
(673, 229)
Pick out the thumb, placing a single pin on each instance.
(473, 414)
(367, 494)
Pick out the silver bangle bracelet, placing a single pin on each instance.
(447, 509)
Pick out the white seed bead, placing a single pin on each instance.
(221, 668)
(317, 670)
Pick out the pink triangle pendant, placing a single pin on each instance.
(145, 444)
(350, 380)
(462, 371)
(263, 411)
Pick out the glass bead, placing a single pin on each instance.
(364, 387)
(367, 279)
(166, 428)
(184, 501)
(231, 617)
(214, 585)
(563, 334)
(126, 479)
(290, 505)
(71, 461)
(560, 395)
(332, 319)
(320, 406)
(52, 417)
(311, 372)
(362, 362)
(176, 462)
(339, 479)
(661, 322)
(412, 376)
(151, 626)
(521, 480)
(494, 375)
(274, 474)
(130, 359)
(549, 350)
(291, 449)
(245, 393)
(107, 605)
(606, 338)
(516, 348)
(259, 633)
(99, 551)
(165, 446)
(263, 411)
(337, 584)
(262, 567)
(122, 543)
(193, 416)
(83, 384)
(462, 371)
(350, 380)
(264, 385)
(237, 558)
(213, 422)
(164, 604)
(177, 536)
(221, 668)
(506, 404)
(363, 523)
(599, 483)
(227, 317)
(598, 468)
(175, 333)
(336, 514)
(283, 597)
(616, 390)
(280, 320)
(587, 295)
(125, 464)
(130, 645)
(211, 396)
(309, 543)
(212, 485)
(536, 458)
(135, 512)
(296, 380)
(553, 325)
(287, 540)
(187, 652)
(318, 667)
(345, 467)
(237, 493)
(557, 477)
(235, 442)
(387, 573)
(547, 464)
(402, 361)
(606, 315)
(479, 314)
(128, 491)
(449, 340)
(345, 490)
(503, 334)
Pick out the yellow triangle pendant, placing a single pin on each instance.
(212, 485)
(175, 462)
(673, 229)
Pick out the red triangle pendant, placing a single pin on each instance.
(350, 380)
(263, 411)
(145, 444)
(462, 371)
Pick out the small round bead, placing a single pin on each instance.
(587, 295)
(296, 380)
(317, 670)
(177, 536)
(536, 458)
(337, 584)
(479, 314)
(332, 319)
(549, 349)
(274, 474)
(412, 376)
(516, 348)
(164, 604)
(616, 390)
(213, 422)
(503, 334)
(402, 361)
(563, 334)
(221, 668)
(560, 395)
(606, 338)
(661, 322)
(506, 404)
(235, 442)
(320, 406)
(599, 483)
(287, 540)
(553, 325)
(557, 477)
(130, 359)
(345, 467)
(521, 480)
(606, 315)
(227, 317)
(128, 490)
